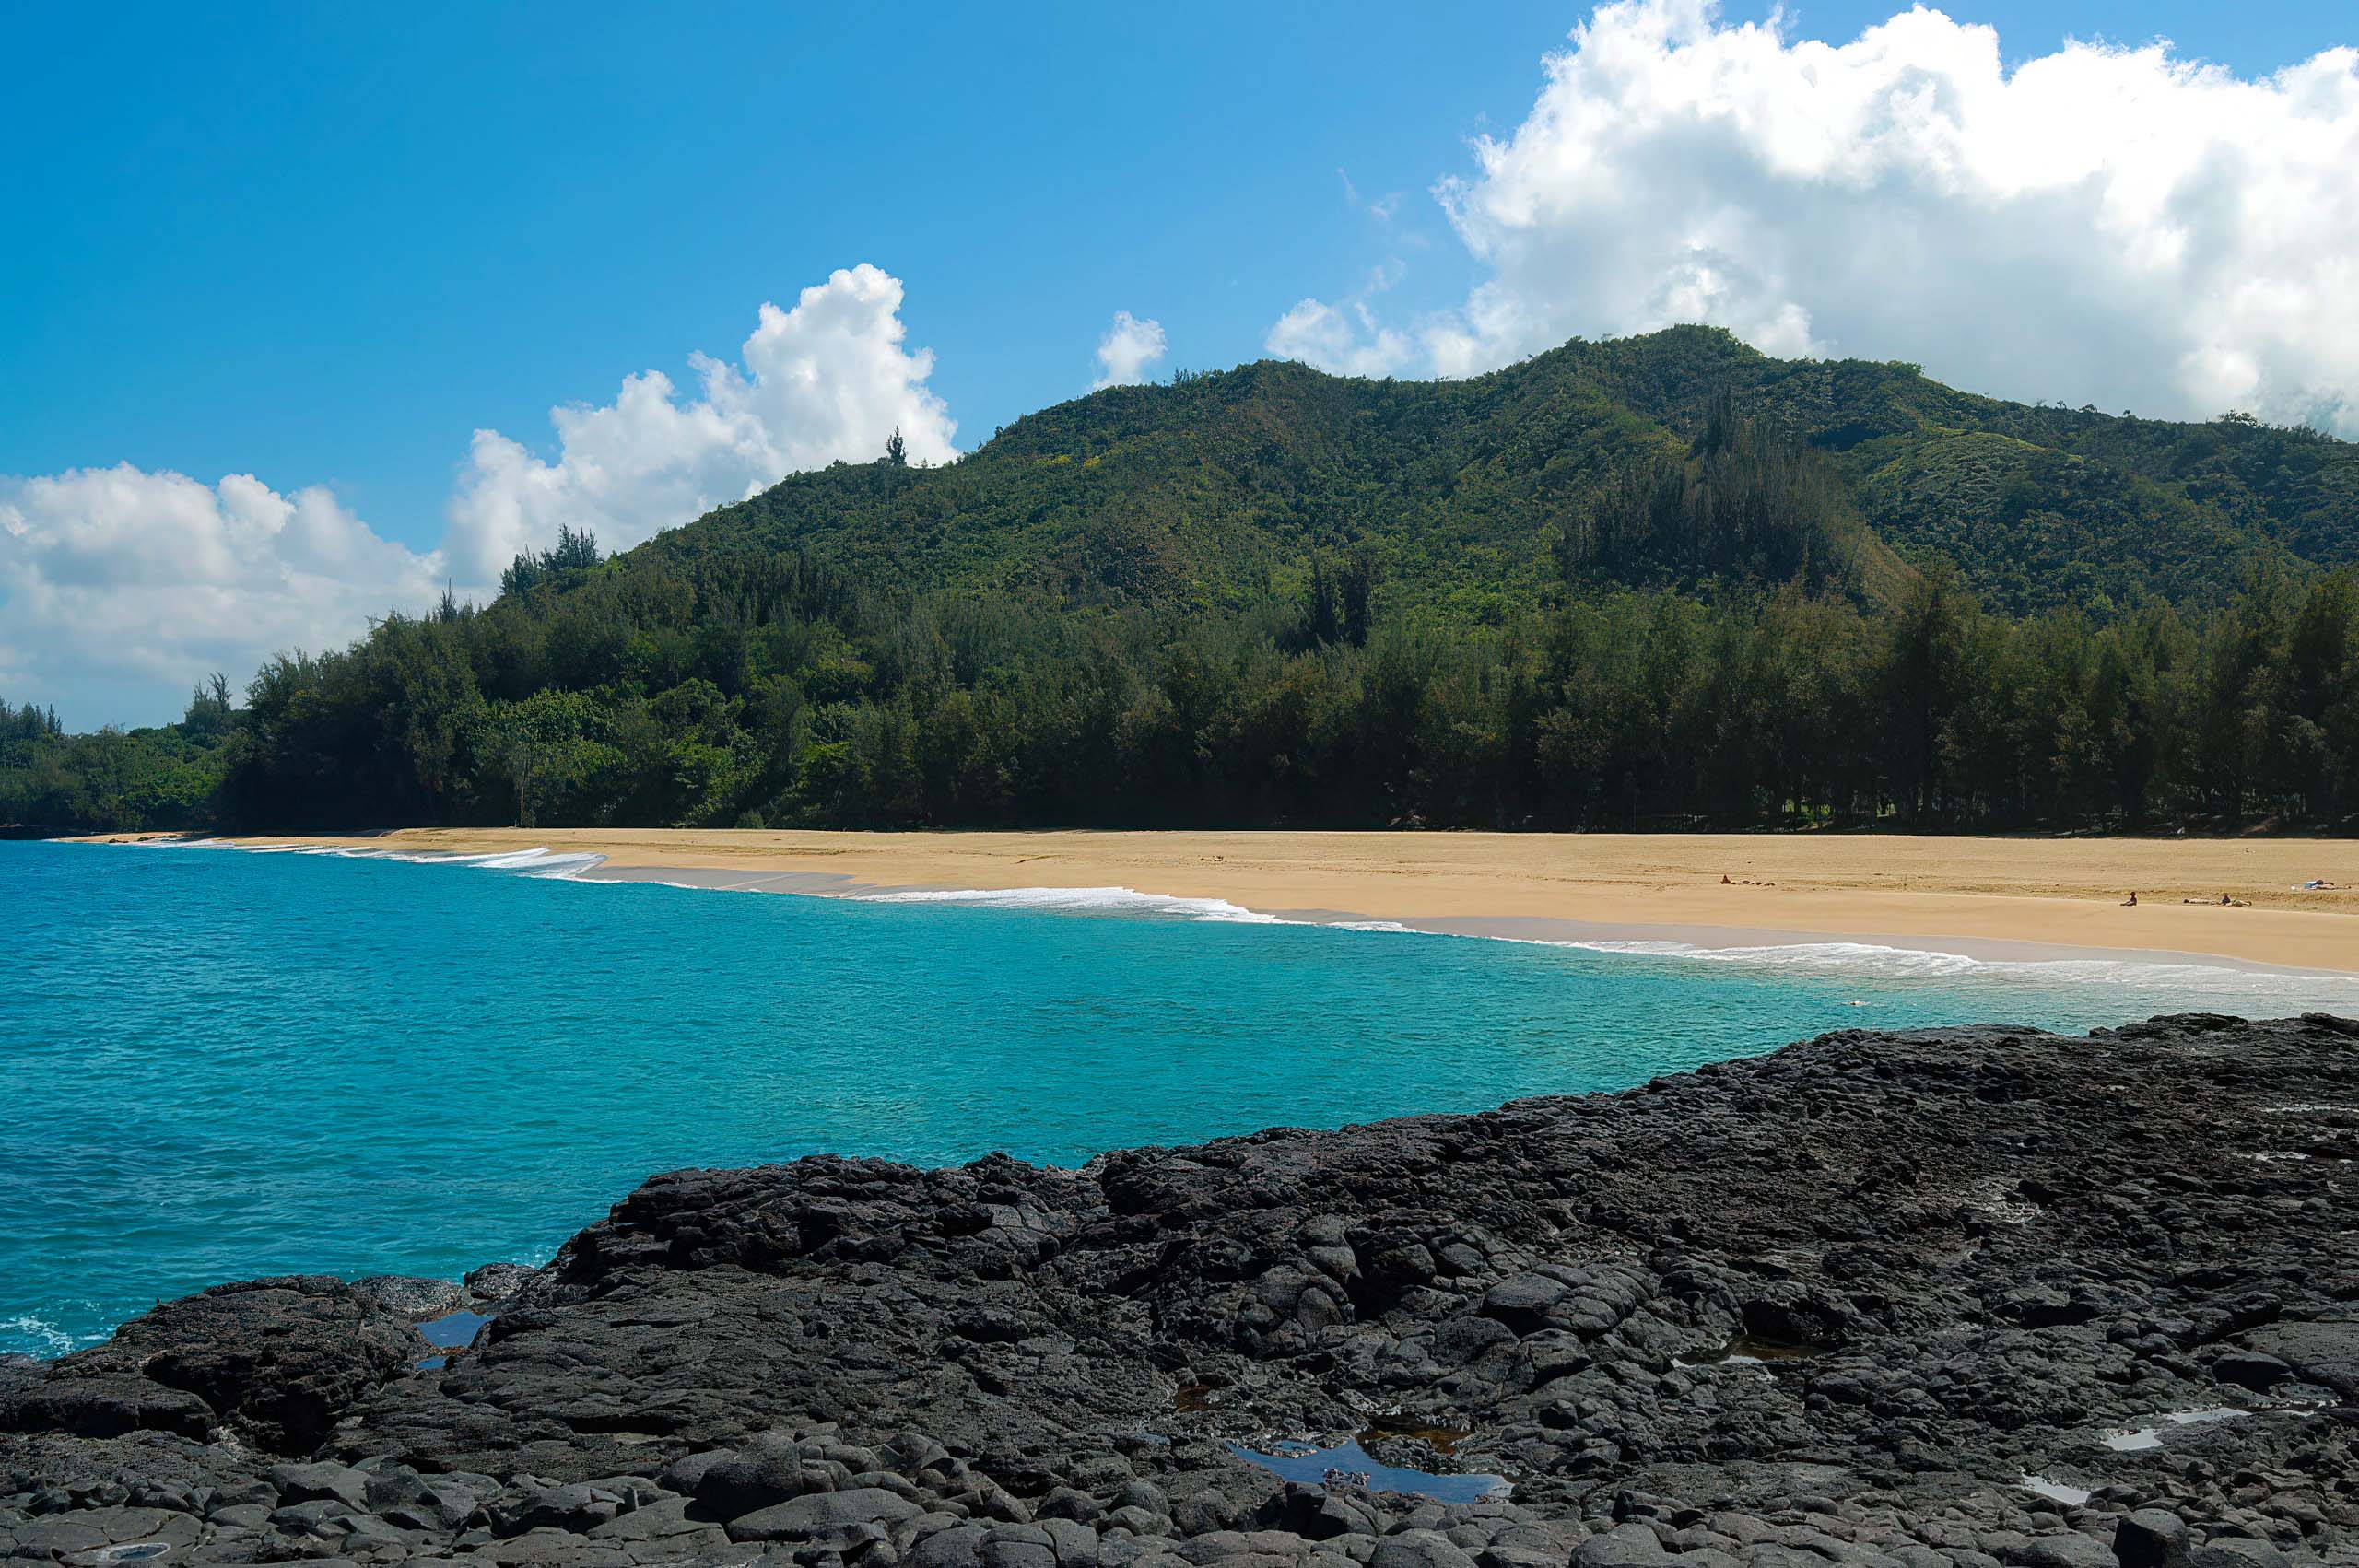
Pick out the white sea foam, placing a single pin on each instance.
(1078, 900)
(439, 856)
(545, 863)
(1812, 959)
(1870, 960)
(1822, 957)
(53, 1338)
(537, 862)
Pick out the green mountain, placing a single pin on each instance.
(1663, 581)
(1212, 492)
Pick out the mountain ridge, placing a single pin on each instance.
(1663, 581)
(1191, 492)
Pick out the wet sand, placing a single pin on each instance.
(1982, 897)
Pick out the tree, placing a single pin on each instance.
(208, 709)
(571, 555)
(521, 758)
(896, 451)
(574, 552)
(1923, 675)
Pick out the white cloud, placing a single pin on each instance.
(1129, 346)
(121, 588)
(2100, 223)
(827, 381)
(1346, 339)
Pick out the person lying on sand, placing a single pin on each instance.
(2130, 902)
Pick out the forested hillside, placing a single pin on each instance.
(1659, 582)
(1204, 492)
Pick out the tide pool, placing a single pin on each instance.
(217, 1065)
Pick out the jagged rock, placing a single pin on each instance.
(409, 1297)
(819, 1515)
(2067, 1549)
(279, 1361)
(772, 1468)
(495, 1282)
(1828, 1306)
(2325, 1352)
(1623, 1545)
(2151, 1538)
(331, 1482)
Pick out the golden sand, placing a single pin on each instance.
(2061, 892)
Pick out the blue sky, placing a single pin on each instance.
(311, 245)
(322, 249)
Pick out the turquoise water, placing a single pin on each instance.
(217, 1064)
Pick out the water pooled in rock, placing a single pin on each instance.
(2056, 1491)
(1751, 1350)
(1348, 1464)
(2138, 1440)
(453, 1332)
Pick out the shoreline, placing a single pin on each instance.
(1990, 899)
(1540, 929)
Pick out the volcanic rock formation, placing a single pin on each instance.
(1947, 1296)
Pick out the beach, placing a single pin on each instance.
(1991, 898)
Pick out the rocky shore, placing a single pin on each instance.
(1966, 1297)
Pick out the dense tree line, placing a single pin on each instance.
(168, 777)
(773, 692)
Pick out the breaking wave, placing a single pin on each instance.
(2182, 985)
(1078, 901)
(534, 863)
(2190, 984)
(29, 1335)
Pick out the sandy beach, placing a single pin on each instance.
(1989, 898)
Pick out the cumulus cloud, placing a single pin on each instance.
(121, 588)
(2100, 223)
(1345, 338)
(827, 381)
(1129, 346)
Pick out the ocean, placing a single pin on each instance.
(217, 1064)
